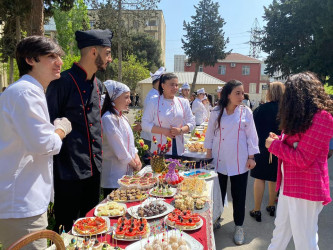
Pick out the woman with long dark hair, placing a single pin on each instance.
(168, 115)
(306, 123)
(231, 139)
(119, 152)
(265, 119)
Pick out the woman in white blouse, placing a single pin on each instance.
(119, 152)
(168, 115)
(231, 139)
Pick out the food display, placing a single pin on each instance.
(90, 226)
(163, 191)
(144, 182)
(184, 220)
(171, 243)
(151, 209)
(127, 195)
(187, 201)
(131, 229)
(172, 177)
(110, 209)
(200, 173)
(193, 185)
(196, 147)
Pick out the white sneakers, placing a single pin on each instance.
(239, 235)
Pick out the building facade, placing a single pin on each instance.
(239, 67)
(179, 63)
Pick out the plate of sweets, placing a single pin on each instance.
(110, 209)
(163, 191)
(184, 220)
(170, 240)
(150, 209)
(131, 229)
(127, 195)
(91, 226)
(200, 173)
(145, 181)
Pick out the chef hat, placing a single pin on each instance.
(205, 98)
(186, 86)
(201, 91)
(93, 38)
(115, 89)
(180, 90)
(157, 74)
(219, 89)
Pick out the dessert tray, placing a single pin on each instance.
(91, 226)
(163, 192)
(110, 209)
(127, 195)
(170, 238)
(133, 229)
(186, 225)
(133, 211)
(145, 181)
(200, 173)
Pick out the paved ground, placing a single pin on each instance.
(258, 234)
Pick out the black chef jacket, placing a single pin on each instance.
(78, 99)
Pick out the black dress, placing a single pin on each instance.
(265, 120)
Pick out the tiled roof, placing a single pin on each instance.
(183, 77)
(236, 57)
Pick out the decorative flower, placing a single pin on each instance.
(168, 139)
(145, 147)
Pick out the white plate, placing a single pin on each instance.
(104, 204)
(133, 211)
(123, 239)
(174, 191)
(105, 231)
(192, 243)
(211, 172)
(191, 229)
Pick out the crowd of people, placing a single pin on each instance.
(58, 139)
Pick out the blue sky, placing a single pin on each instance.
(239, 16)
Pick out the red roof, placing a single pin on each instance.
(236, 57)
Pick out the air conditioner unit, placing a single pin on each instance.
(232, 65)
(188, 64)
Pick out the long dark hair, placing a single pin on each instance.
(304, 96)
(163, 79)
(107, 105)
(224, 101)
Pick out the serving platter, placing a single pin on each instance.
(133, 211)
(167, 222)
(107, 220)
(97, 213)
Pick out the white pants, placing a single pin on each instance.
(298, 218)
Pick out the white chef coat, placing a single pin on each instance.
(118, 149)
(164, 113)
(233, 142)
(151, 94)
(198, 110)
(27, 143)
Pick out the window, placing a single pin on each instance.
(92, 24)
(253, 88)
(152, 23)
(262, 87)
(200, 68)
(221, 70)
(246, 70)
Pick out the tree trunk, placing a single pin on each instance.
(195, 77)
(37, 18)
(18, 29)
(11, 70)
(120, 56)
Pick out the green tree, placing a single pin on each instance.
(67, 22)
(204, 41)
(133, 71)
(298, 36)
(110, 15)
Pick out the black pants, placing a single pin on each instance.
(238, 194)
(74, 198)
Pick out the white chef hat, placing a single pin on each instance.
(201, 91)
(186, 86)
(180, 90)
(219, 89)
(115, 89)
(205, 98)
(157, 74)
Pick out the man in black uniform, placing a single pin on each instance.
(76, 96)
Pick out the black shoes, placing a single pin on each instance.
(271, 210)
(256, 215)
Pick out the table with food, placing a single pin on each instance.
(173, 209)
